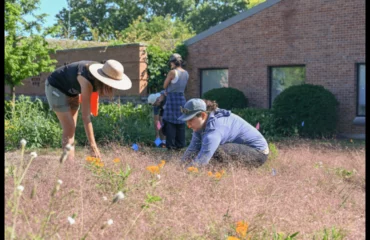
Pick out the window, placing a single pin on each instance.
(361, 85)
(214, 78)
(283, 77)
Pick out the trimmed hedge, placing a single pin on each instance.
(308, 110)
(227, 98)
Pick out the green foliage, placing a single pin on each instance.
(282, 236)
(330, 234)
(108, 179)
(160, 31)
(125, 124)
(210, 13)
(274, 153)
(25, 56)
(227, 98)
(30, 121)
(158, 65)
(312, 105)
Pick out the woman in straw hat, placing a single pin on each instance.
(65, 84)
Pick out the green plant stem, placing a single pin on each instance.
(137, 217)
(15, 218)
(101, 215)
(25, 171)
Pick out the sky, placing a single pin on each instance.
(52, 8)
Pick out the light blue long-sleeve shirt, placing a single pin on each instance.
(223, 127)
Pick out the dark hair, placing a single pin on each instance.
(102, 88)
(211, 105)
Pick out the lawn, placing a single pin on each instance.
(316, 188)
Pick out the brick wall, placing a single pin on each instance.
(132, 57)
(327, 36)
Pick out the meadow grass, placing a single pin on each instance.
(317, 189)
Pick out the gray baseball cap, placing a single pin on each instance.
(192, 108)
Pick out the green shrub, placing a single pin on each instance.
(32, 122)
(308, 110)
(227, 98)
(262, 116)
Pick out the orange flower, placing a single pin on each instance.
(99, 164)
(161, 165)
(232, 238)
(116, 160)
(210, 174)
(222, 172)
(218, 175)
(89, 159)
(242, 228)
(153, 169)
(193, 169)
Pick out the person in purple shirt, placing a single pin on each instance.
(220, 134)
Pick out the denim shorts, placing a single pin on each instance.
(58, 101)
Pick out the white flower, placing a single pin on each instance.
(118, 196)
(105, 198)
(23, 142)
(110, 222)
(20, 188)
(71, 220)
(33, 154)
(159, 176)
(59, 182)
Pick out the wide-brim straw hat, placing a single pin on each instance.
(112, 74)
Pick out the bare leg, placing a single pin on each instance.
(67, 121)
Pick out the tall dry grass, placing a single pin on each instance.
(315, 187)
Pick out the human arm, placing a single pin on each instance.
(86, 90)
(210, 142)
(171, 75)
(193, 148)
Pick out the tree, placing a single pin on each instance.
(24, 56)
(208, 13)
(96, 20)
(161, 31)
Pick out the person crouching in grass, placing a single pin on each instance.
(222, 135)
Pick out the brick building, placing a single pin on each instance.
(132, 57)
(280, 43)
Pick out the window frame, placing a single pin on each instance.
(269, 75)
(358, 88)
(212, 68)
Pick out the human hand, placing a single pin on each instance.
(94, 152)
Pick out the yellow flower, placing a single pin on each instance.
(193, 169)
(116, 160)
(161, 165)
(232, 238)
(153, 169)
(210, 174)
(242, 228)
(89, 159)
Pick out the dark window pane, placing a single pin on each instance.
(284, 77)
(214, 78)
